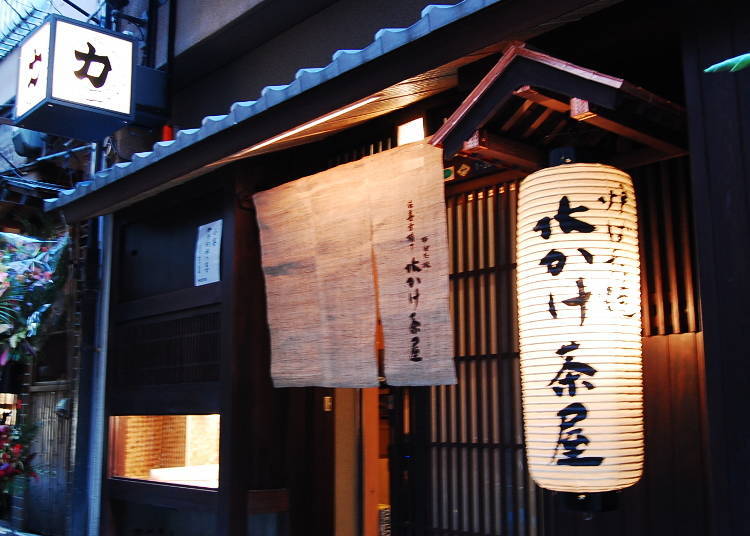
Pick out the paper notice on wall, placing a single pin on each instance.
(208, 254)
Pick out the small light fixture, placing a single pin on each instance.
(62, 408)
(410, 131)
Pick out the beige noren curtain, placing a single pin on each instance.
(347, 245)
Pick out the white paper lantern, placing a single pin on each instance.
(580, 328)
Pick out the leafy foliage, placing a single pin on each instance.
(30, 276)
(15, 453)
(732, 64)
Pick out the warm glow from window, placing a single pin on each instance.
(176, 449)
(310, 124)
(411, 131)
(8, 406)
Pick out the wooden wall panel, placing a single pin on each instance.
(665, 229)
(46, 501)
(718, 107)
(671, 498)
(478, 481)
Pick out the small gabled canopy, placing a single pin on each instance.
(530, 103)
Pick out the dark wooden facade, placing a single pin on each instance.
(719, 113)
(465, 473)
(469, 473)
(455, 484)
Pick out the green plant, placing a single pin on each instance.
(30, 277)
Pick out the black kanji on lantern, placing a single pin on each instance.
(554, 261)
(576, 301)
(571, 438)
(570, 372)
(565, 220)
(618, 298)
(616, 232)
(580, 300)
(414, 298)
(586, 255)
(623, 195)
(552, 308)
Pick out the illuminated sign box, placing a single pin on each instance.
(75, 79)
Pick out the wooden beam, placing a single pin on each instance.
(538, 122)
(493, 148)
(459, 187)
(370, 447)
(581, 110)
(517, 115)
(531, 94)
(165, 495)
(640, 157)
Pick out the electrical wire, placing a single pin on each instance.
(96, 11)
(26, 5)
(30, 7)
(62, 154)
(7, 2)
(34, 184)
(52, 3)
(12, 166)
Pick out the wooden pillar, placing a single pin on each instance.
(718, 108)
(233, 465)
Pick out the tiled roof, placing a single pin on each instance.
(18, 20)
(386, 40)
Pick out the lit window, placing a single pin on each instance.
(8, 405)
(176, 449)
(411, 131)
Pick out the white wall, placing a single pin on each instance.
(197, 19)
(346, 24)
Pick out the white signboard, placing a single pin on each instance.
(208, 254)
(92, 68)
(32, 71)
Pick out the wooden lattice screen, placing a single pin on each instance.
(478, 482)
(474, 468)
(670, 298)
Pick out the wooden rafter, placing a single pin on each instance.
(581, 110)
(531, 94)
(608, 103)
(510, 153)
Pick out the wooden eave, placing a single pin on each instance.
(509, 119)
